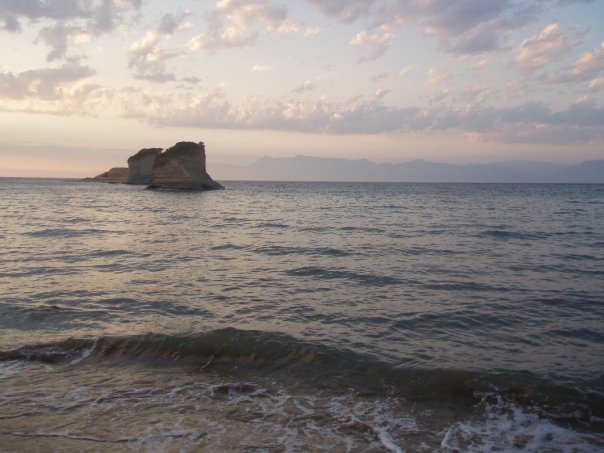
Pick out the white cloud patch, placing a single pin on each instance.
(59, 90)
(596, 84)
(148, 58)
(587, 68)
(193, 80)
(467, 26)
(433, 78)
(234, 23)
(462, 27)
(47, 83)
(590, 63)
(312, 30)
(407, 69)
(379, 76)
(346, 11)
(59, 36)
(525, 123)
(549, 46)
(260, 68)
(381, 93)
(66, 21)
(308, 85)
(199, 108)
(379, 38)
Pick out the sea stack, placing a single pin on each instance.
(116, 175)
(182, 167)
(140, 165)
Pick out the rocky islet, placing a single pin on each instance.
(183, 166)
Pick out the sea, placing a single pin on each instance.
(301, 316)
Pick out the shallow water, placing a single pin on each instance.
(297, 316)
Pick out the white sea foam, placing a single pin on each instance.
(507, 427)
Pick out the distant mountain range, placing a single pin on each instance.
(307, 168)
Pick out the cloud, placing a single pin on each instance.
(232, 24)
(590, 63)
(380, 93)
(525, 123)
(308, 85)
(536, 124)
(379, 38)
(58, 90)
(379, 76)
(407, 69)
(311, 31)
(66, 21)
(346, 11)
(433, 78)
(197, 108)
(462, 27)
(588, 67)
(107, 15)
(471, 26)
(596, 84)
(549, 46)
(48, 83)
(192, 80)
(59, 36)
(260, 68)
(146, 55)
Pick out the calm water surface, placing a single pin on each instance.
(302, 316)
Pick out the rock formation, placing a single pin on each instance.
(140, 165)
(115, 175)
(182, 167)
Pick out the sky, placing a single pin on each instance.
(86, 83)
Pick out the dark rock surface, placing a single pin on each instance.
(114, 175)
(182, 166)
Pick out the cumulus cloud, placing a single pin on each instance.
(345, 10)
(197, 108)
(232, 24)
(193, 80)
(59, 90)
(59, 36)
(596, 84)
(46, 83)
(587, 68)
(462, 27)
(311, 31)
(407, 69)
(530, 122)
(379, 38)
(260, 68)
(467, 27)
(535, 123)
(148, 58)
(66, 21)
(308, 85)
(379, 76)
(547, 47)
(433, 78)
(590, 63)
(380, 93)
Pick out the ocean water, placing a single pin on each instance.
(301, 317)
